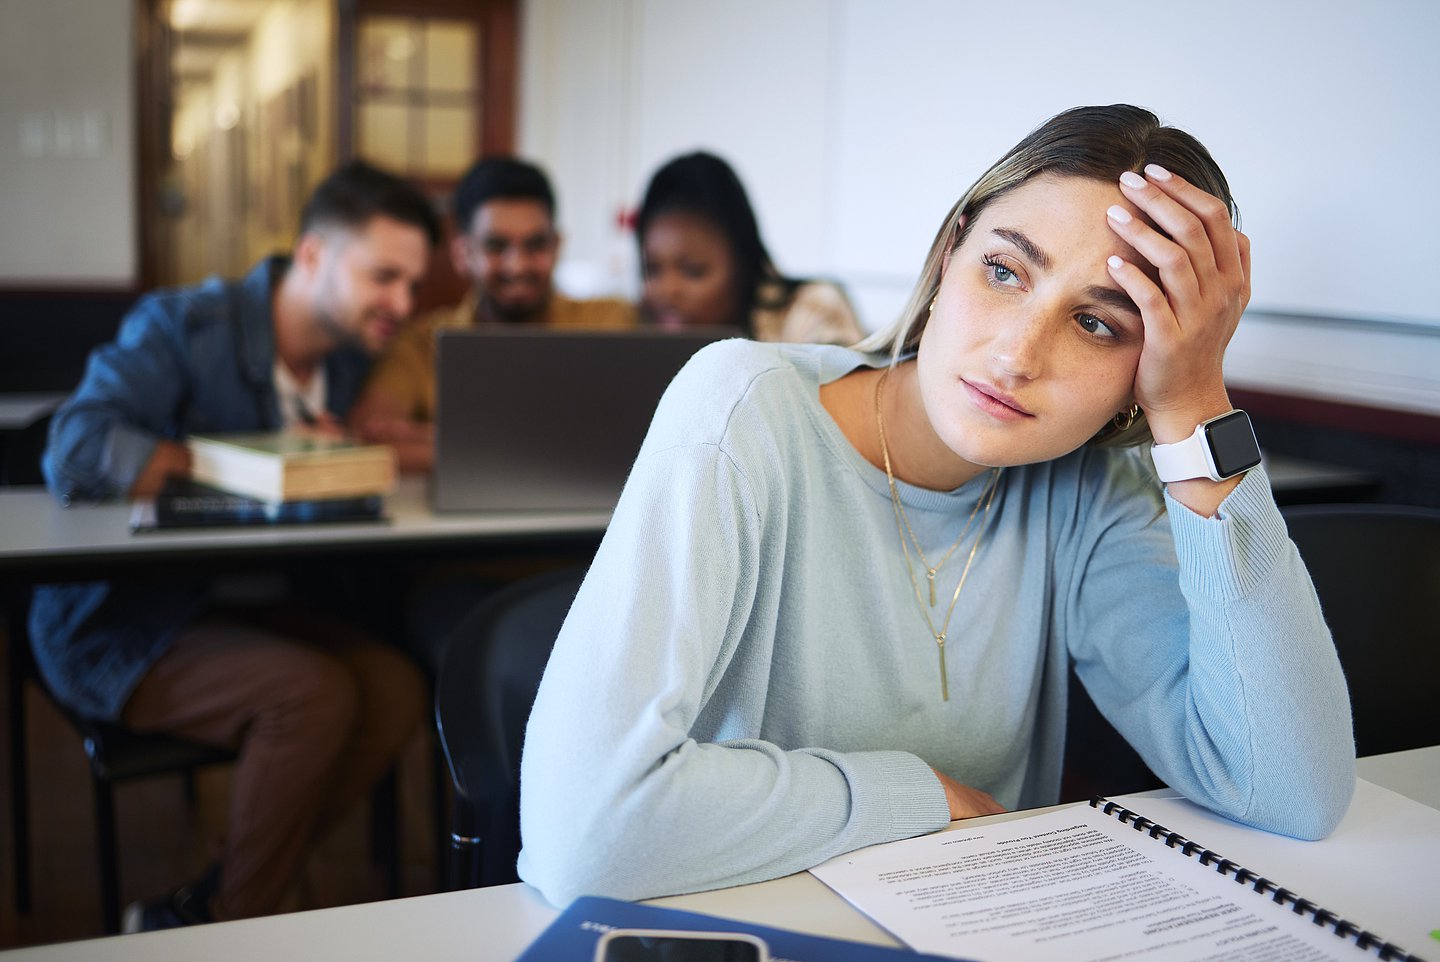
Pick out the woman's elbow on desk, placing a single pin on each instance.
(615, 845)
(1308, 807)
(1303, 785)
(563, 865)
(1315, 809)
(576, 836)
(557, 883)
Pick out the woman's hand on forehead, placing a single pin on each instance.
(1191, 314)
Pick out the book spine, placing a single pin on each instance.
(1262, 886)
(186, 510)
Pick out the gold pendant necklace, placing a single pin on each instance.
(903, 528)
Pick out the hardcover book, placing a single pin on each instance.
(292, 466)
(189, 504)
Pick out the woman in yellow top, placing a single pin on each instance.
(703, 262)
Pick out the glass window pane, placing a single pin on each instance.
(449, 140)
(449, 55)
(384, 138)
(387, 49)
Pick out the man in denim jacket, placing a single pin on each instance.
(318, 709)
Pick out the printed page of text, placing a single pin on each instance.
(1073, 884)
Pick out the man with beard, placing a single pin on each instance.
(507, 245)
(317, 709)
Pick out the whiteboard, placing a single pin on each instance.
(1324, 115)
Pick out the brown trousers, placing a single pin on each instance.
(318, 712)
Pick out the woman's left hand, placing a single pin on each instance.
(1193, 310)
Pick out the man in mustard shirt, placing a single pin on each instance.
(507, 245)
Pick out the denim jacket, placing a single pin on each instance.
(185, 361)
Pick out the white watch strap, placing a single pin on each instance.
(1185, 459)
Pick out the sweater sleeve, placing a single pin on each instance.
(1225, 679)
(618, 797)
(103, 435)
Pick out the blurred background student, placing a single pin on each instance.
(703, 262)
(312, 699)
(506, 245)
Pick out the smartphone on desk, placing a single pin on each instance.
(663, 945)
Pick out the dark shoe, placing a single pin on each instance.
(187, 905)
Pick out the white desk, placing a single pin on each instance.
(19, 411)
(496, 924)
(1414, 774)
(39, 536)
(41, 540)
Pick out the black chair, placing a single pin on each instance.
(484, 690)
(20, 452)
(117, 755)
(1376, 570)
(1098, 759)
(486, 686)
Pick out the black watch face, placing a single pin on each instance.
(1233, 444)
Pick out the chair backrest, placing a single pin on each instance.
(1098, 759)
(116, 754)
(1376, 570)
(484, 690)
(21, 451)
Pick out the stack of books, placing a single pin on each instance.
(273, 478)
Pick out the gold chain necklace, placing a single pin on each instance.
(903, 528)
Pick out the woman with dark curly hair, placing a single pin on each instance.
(703, 262)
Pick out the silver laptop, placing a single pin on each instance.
(537, 419)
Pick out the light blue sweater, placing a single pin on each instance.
(745, 686)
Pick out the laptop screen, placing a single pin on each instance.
(544, 419)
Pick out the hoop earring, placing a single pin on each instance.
(1126, 418)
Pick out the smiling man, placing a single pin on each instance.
(315, 708)
(289, 342)
(507, 245)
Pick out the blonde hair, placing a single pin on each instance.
(1099, 143)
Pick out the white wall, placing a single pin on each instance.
(575, 116)
(856, 123)
(1323, 115)
(67, 143)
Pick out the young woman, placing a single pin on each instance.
(838, 598)
(703, 262)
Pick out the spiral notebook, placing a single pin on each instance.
(1256, 883)
(1100, 881)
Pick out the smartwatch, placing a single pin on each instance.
(1220, 448)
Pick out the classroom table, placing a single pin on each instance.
(19, 411)
(43, 541)
(40, 539)
(496, 924)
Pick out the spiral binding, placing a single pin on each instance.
(1300, 906)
